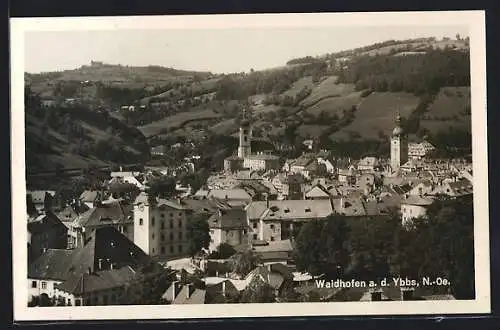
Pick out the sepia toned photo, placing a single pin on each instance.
(172, 167)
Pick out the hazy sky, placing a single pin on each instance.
(218, 51)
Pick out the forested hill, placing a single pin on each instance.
(77, 137)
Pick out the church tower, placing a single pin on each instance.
(244, 149)
(399, 146)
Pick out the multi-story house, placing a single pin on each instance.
(160, 226)
(46, 231)
(279, 220)
(228, 225)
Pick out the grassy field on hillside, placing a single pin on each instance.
(176, 121)
(378, 113)
(335, 105)
(225, 127)
(448, 109)
(327, 88)
(298, 86)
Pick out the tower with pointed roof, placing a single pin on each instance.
(399, 146)
(244, 149)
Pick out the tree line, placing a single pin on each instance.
(441, 244)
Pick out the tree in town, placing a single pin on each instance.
(198, 235)
(224, 251)
(258, 292)
(163, 187)
(47, 202)
(148, 286)
(244, 262)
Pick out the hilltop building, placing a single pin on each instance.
(399, 146)
(245, 158)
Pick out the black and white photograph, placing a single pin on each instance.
(258, 165)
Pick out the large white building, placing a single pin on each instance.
(160, 227)
(245, 158)
(419, 150)
(399, 146)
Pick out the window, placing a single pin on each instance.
(78, 302)
(171, 249)
(162, 237)
(254, 225)
(152, 221)
(272, 227)
(153, 236)
(180, 214)
(33, 284)
(272, 238)
(171, 236)
(162, 250)
(162, 225)
(162, 215)
(113, 298)
(153, 250)
(254, 236)
(141, 221)
(171, 224)
(44, 285)
(180, 235)
(180, 223)
(124, 229)
(171, 215)
(104, 299)
(180, 248)
(245, 139)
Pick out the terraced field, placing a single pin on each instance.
(298, 86)
(327, 88)
(377, 113)
(335, 105)
(448, 109)
(176, 121)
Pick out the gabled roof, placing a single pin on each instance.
(44, 223)
(234, 218)
(104, 243)
(317, 191)
(197, 296)
(236, 194)
(106, 213)
(101, 280)
(289, 209)
(351, 206)
(416, 200)
(52, 265)
(461, 187)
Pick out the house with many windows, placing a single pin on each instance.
(160, 226)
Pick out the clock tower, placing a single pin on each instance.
(399, 146)
(244, 149)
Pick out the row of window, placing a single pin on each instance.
(256, 237)
(162, 226)
(162, 236)
(171, 249)
(43, 285)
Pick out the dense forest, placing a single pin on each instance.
(119, 143)
(419, 74)
(439, 245)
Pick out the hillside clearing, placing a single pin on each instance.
(299, 86)
(335, 105)
(327, 88)
(377, 113)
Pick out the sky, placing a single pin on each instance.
(217, 50)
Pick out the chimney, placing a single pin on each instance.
(189, 290)
(224, 288)
(100, 264)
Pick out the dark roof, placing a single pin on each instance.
(52, 265)
(197, 296)
(108, 213)
(402, 189)
(44, 223)
(273, 279)
(101, 280)
(228, 219)
(205, 206)
(105, 243)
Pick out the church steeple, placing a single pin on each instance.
(245, 135)
(399, 146)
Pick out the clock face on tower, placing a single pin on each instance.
(141, 207)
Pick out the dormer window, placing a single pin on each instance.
(308, 209)
(287, 210)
